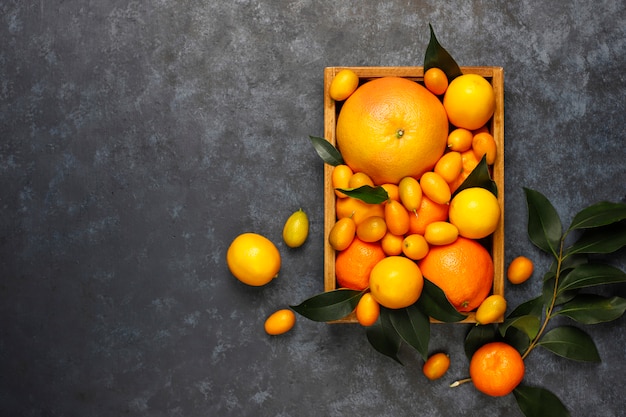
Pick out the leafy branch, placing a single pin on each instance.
(602, 228)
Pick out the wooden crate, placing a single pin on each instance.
(495, 75)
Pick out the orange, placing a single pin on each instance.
(392, 244)
(253, 259)
(343, 84)
(484, 144)
(415, 246)
(371, 229)
(354, 264)
(436, 81)
(496, 369)
(460, 140)
(519, 270)
(469, 101)
(357, 209)
(341, 178)
(396, 217)
(463, 270)
(396, 282)
(391, 128)
(280, 322)
(342, 233)
(436, 366)
(367, 310)
(476, 212)
(428, 212)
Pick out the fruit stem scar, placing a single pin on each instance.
(400, 133)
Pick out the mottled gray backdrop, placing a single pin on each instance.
(137, 138)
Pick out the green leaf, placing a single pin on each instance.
(571, 343)
(367, 194)
(383, 336)
(539, 402)
(479, 177)
(436, 56)
(528, 324)
(518, 339)
(413, 326)
(599, 214)
(330, 305)
(533, 307)
(435, 304)
(326, 151)
(561, 297)
(544, 224)
(478, 336)
(589, 275)
(593, 309)
(606, 239)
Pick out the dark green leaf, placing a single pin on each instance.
(479, 177)
(606, 239)
(544, 224)
(528, 324)
(383, 336)
(561, 297)
(435, 304)
(518, 339)
(539, 402)
(413, 326)
(571, 343)
(599, 214)
(330, 305)
(478, 336)
(436, 56)
(533, 307)
(367, 193)
(326, 151)
(589, 275)
(593, 309)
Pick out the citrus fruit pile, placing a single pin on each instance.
(418, 141)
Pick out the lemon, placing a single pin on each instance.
(296, 229)
(253, 259)
(475, 212)
(396, 282)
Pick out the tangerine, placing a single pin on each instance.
(463, 270)
(436, 366)
(392, 244)
(390, 128)
(280, 322)
(428, 212)
(354, 264)
(371, 229)
(496, 369)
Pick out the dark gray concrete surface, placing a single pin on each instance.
(138, 138)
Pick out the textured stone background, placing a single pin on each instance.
(138, 138)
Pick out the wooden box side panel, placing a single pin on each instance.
(493, 74)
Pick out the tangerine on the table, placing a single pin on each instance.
(354, 264)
